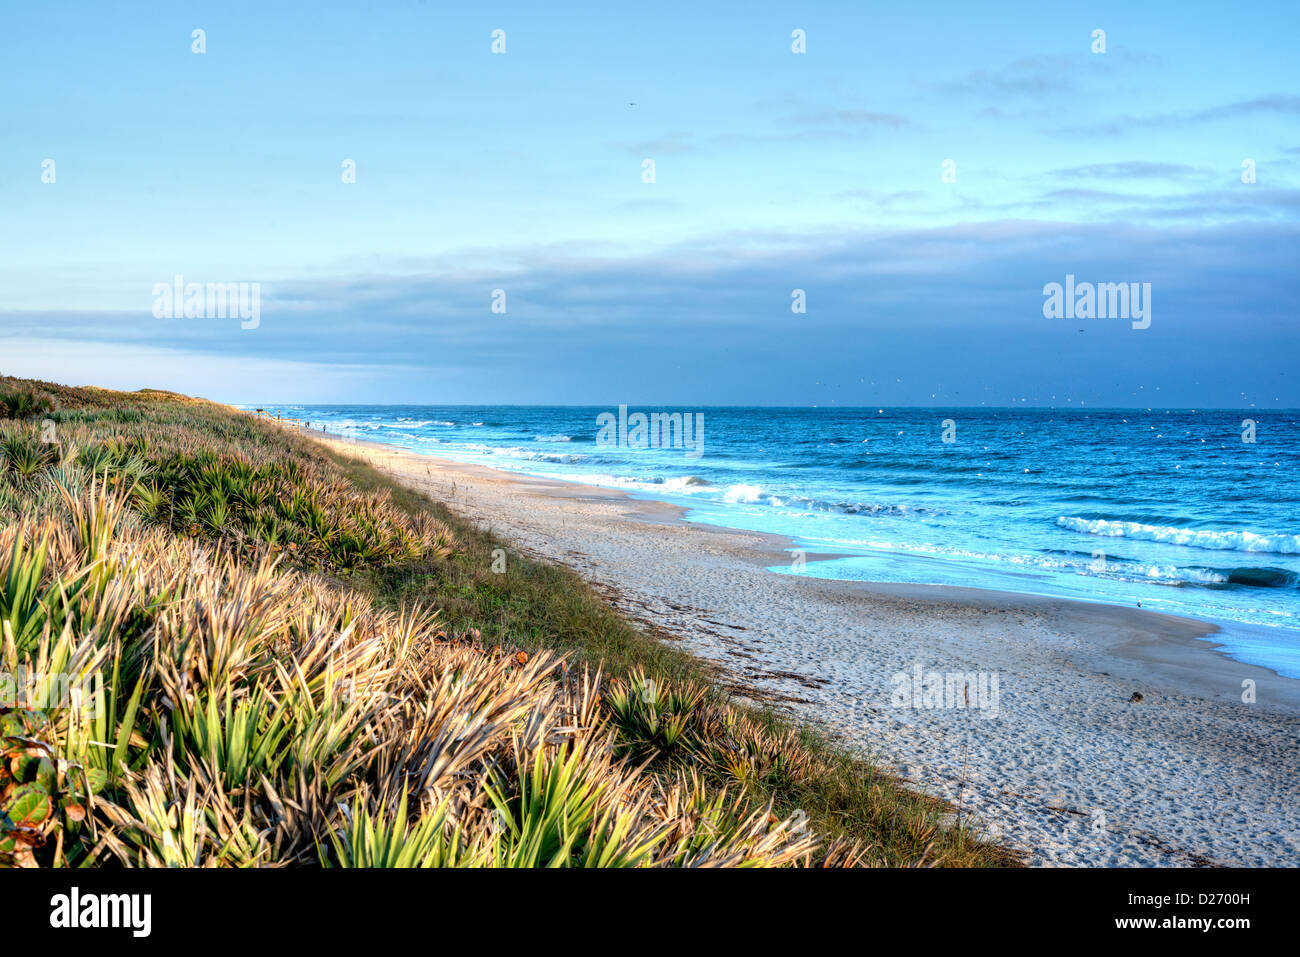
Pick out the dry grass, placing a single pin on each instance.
(284, 660)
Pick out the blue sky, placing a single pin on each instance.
(774, 171)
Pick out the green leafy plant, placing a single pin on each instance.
(43, 801)
(651, 718)
(25, 458)
(253, 707)
(379, 838)
(24, 606)
(24, 403)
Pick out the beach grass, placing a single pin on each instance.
(289, 659)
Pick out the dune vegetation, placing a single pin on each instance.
(227, 645)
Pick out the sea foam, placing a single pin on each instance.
(1239, 541)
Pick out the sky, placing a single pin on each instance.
(921, 172)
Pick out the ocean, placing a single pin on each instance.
(1168, 507)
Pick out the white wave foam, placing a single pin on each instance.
(516, 452)
(683, 483)
(1244, 541)
(1176, 574)
(742, 493)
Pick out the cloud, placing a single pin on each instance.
(808, 124)
(1035, 76)
(1130, 169)
(132, 366)
(1285, 104)
(1239, 203)
(1046, 75)
(1275, 104)
(882, 198)
(710, 321)
(839, 120)
(669, 144)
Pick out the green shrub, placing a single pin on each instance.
(24, 404)
(651, 718)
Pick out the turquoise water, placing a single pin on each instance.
(1169, 508)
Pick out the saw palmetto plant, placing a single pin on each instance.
(220, 669)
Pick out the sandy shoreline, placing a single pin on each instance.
(1059, 762)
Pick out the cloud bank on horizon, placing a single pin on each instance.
(674, 206)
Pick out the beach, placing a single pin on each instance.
(1055, 757)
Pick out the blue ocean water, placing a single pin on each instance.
(1167, 507)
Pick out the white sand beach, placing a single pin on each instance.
(1067, 767)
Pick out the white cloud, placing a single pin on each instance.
(130, 367)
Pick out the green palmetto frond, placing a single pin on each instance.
(382, 839)
(24, 607)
